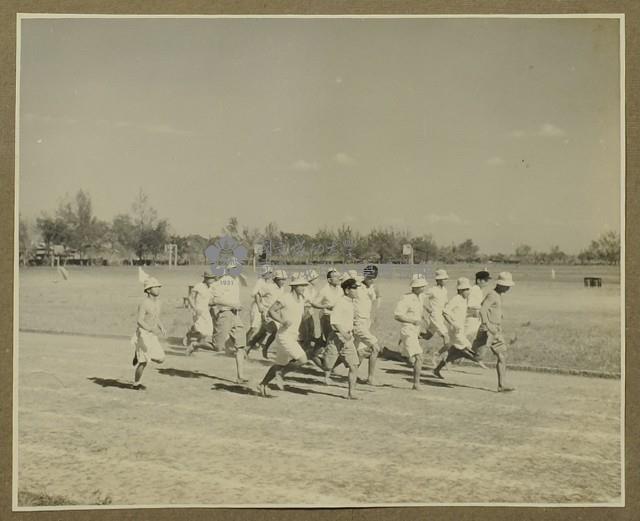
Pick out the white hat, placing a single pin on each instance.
(311, 275)
(505, 279)
(441, 275)
(280, 274)
(151, 282)
(266, 271)
(463, 283)
(297, 279)
(418, 281)
(352, 274)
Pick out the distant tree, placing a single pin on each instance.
(556, 255)
(150, 234)
(346, 240)
(232, 229)
(123, 235)
(25, 241)
(424, 248)
(523, 251)
(53, 230)
(467, 251)
(604, 249)
(386, 244)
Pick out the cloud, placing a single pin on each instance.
(165, 129)
(495, 161)
(450, 218)
(545, 130)
(305, 166)
(550, 130)
(344, 159)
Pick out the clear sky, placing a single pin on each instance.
(503, 131)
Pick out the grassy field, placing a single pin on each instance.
(194, 437)
(85, 437)
(559, 323)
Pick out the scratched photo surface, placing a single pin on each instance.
(318, 262)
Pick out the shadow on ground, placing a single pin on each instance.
(183, 373)
(111, 382)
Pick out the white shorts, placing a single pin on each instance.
(288, 349)
(459, 340)
(203, 323)
(410, 344)
(366, 343)
(147, 347)
(255, 317)
(438, 326)
(471, 326)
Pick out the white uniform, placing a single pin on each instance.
(288, 347)
(329, 295)
(472, 322)
(202, 295)
(363, 303)
(437, 298)
(411, 306)
(456, 312)
(260, 288)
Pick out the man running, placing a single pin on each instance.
(490, 332)
(340, 343)
(455, 313)
(308, 324)
(272, 291)
(436, 298)
(287, 311)
(409, 313)
(258, 306)
(325, 301)
(145, 340)
(366, 343)
(229, 334)
(201, 332)
(474, 302)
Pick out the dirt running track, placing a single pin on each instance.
(195, 437)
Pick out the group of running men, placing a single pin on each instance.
(284, 308)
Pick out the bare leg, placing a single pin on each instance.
(417, 369)
(353, 377)
(240, 356)
(371, 378)
(139, 371)
(501, 368)
(271, 373)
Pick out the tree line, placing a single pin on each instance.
(140, 236)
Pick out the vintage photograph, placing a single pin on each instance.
(319, 261)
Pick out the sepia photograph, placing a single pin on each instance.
(319, 261)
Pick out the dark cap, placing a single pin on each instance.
(483, 275)
(370, 271)
(349, 284)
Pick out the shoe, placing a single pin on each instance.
(506, 389)
(138, 387)
(437, 374)
(481, 364)
(262, 389)
(242, 380)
